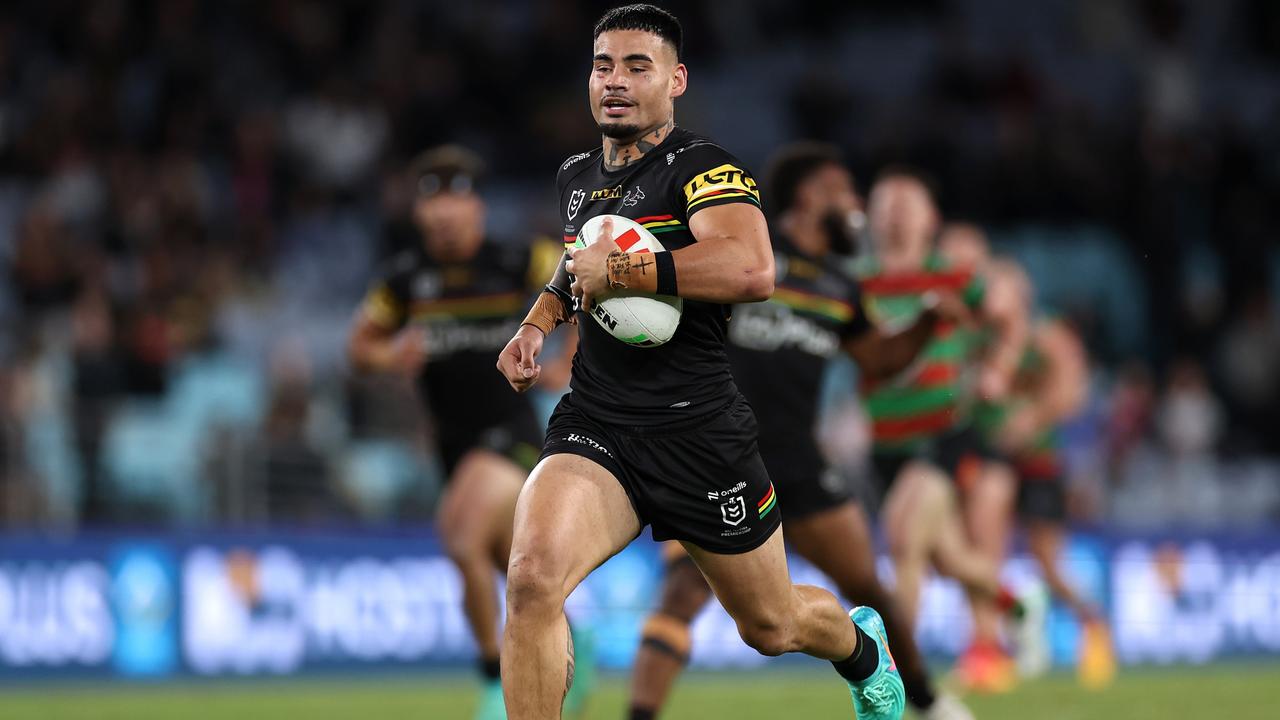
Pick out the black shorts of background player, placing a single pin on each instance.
(778, 351)
(438, 312)
(648, 434)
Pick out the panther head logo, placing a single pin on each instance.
(633, 197)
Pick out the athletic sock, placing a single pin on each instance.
(919, 691)
(639, 713)
(491, 669)
(668, 635)
(1008, 603)
(863, 662)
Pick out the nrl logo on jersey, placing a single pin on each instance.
(575, 202)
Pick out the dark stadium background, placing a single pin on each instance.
(194, 195)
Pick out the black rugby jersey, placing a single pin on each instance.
(625, 385)
(469, 310)
(779, 348)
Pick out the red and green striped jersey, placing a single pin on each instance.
(906, 412)
(1041, 458)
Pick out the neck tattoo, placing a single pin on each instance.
(619, 156)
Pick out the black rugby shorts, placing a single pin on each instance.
(806, 484)
(700, 480)
(517, 438)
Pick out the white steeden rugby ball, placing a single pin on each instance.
(642, 320)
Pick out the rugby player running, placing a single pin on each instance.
(1050, 386)
(921, 429)
(779, 351)
(437, 313)
(651, 435)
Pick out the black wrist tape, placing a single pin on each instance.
(666, 269)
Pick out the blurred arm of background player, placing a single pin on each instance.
(1059, 394)
(880, 355)
(385, 347)
(1004, 310)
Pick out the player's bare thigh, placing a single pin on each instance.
(837, 541)
(479, 502)
(572, 515)
(919, 493)
(754, 587)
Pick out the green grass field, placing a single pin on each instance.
(1235, 692)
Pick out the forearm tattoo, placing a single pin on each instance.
(619, 269)
(568, 677)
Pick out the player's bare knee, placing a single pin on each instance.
(534, 587)
(903, 543)
(766, 636)
(685, 591)
(465, 548)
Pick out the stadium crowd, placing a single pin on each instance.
(193, 196)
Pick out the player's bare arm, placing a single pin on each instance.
(375, 347)
(1004, 309)
(1066, 385)
(1059, 394)
(732, 262)
(518, 361)
(882, 354)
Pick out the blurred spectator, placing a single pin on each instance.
(296, 484)
(1189, 417)
(99, 382)
(43, 270)
(1250, 368)
(187, 180)
(1132, 404)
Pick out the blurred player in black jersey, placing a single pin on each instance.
(779, 351)
(660, 435)
(439, 312)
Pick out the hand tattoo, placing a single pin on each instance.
(619, 269)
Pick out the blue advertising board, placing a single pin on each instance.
(279, 603)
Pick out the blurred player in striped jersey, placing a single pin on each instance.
(1049, 387)
(926, 453)
(778, 351)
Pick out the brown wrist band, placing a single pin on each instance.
(547, 313)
